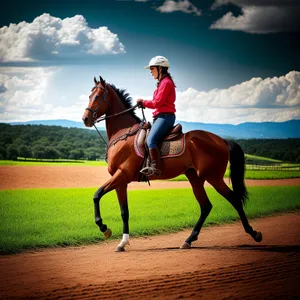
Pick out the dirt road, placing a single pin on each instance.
(224, 264)
(16, 177)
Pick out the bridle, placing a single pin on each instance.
(94, 112)
(104, 97)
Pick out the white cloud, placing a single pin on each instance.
(24, 92)
(71, 112)
(27, 94)
(257, 100)
(260, 16)
(48, 37)
(185, 6)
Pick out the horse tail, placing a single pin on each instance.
(237, 171)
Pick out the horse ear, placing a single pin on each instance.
(102, 81)
(95, 80)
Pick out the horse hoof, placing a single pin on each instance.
(258, 237)
(186, 246)
(107, 233)
(120, 249)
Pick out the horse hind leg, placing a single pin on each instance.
(205, 205)
(229, 195)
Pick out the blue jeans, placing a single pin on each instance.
(161, 125)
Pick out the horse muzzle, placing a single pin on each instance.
(89, 117)
(88, 122)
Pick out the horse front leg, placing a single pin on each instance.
(98, 220)
(122, 197)
(118, 179)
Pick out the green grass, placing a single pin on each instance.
(257, 174)
(49, 162)
(261, 158)
(268, 174)
(37, 218)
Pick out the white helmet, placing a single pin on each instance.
(158, 61)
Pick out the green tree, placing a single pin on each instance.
(12, 152)
(51, 153)
(76, 154)
(6, 137)
(92, 153)
(38, 152)
(3, 154)
(25, 151)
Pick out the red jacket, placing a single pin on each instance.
(163, 98)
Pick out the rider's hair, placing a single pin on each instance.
(164, 73)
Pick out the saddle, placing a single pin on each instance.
(173, 144)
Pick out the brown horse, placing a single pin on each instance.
(205, 159)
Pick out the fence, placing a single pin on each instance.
(263, 166)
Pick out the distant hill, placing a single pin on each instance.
(264, 130)
(60, 122)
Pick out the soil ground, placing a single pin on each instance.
(225, 263)
(16, 177)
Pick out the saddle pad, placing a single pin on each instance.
(167, 149)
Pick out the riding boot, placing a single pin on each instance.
(155, 163)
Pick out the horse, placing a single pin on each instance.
(205, 158)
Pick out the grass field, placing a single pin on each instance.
(36, 218)
(261, 158)
(257, 174)
(269, 174)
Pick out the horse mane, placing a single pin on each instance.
(126, 99)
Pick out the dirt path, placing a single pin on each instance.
(16, 177)
(224, 263)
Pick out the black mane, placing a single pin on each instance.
(126, 99)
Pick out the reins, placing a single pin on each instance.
(125, 135)
(102, 140)
(118, 114)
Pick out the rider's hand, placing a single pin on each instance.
(139, 102)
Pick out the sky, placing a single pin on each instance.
(233, 61)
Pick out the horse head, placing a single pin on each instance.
(97, 106)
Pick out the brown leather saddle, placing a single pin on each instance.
(172, 146)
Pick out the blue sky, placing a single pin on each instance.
(232, 61)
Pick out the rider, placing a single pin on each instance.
(164, 114)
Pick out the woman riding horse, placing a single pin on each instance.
(164, 115)
(205, 158)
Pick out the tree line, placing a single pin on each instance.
(287, 150)
(56, 142)
(50, 142)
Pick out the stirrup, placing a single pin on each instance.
(149, 171)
